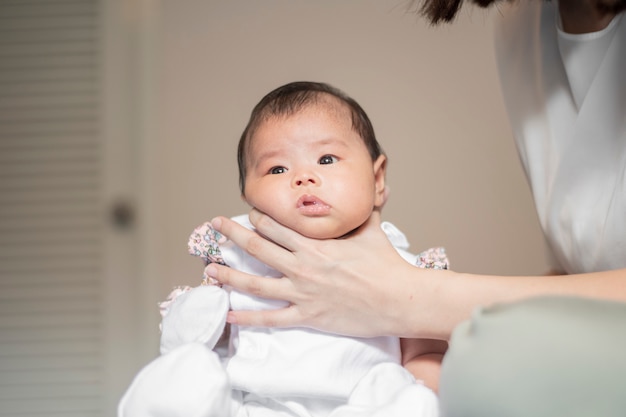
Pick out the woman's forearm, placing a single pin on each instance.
(456, 295)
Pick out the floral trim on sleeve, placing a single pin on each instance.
(433, 258)
(204, 242)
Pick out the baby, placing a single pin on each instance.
(309, 159)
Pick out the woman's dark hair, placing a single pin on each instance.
(444, 11)
(292, 98)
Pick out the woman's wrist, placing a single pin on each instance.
(419, 303)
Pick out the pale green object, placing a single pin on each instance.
(543, 357)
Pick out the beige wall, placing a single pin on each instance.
(432, 94)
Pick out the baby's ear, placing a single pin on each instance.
(381, 189)
(385, 197)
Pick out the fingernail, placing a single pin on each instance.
(230, 318)
(216, 223)
(211, 270)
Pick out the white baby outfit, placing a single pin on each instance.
(297, 372)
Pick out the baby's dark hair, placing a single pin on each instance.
(289, 100)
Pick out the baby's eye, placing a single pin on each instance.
(327, 159)
(278, 170)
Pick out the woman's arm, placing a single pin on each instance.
(338, 285)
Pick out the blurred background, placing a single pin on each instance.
(119, 121)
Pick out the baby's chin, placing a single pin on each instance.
(322, 233)
(320, 236)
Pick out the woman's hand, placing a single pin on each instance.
(358, 286)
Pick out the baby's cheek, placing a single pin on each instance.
(273, 206)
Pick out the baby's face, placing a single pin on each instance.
(312, 172)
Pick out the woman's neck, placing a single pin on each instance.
(583, 16)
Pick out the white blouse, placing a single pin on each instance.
(566, 100)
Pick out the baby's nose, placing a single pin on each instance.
(305, 179)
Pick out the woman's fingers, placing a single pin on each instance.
(284, 317)
(266, 287)
(275, 231)
(256, 246)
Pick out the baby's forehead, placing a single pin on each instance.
(323, 104)
(328, 103)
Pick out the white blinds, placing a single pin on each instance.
(50, 222)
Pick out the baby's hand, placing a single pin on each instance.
(164, 306)
(195, 316)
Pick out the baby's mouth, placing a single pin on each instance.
(311, 205)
